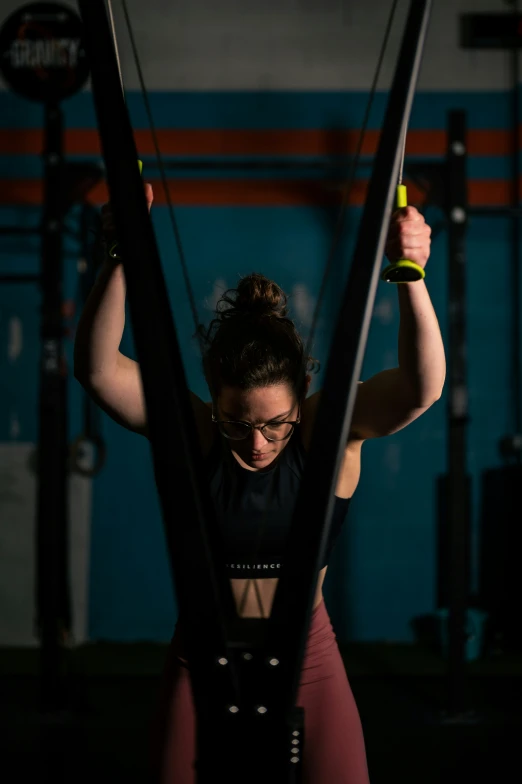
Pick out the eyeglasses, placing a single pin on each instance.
(272, 431)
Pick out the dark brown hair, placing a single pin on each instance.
(251, 342)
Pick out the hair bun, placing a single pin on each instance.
(259, 295)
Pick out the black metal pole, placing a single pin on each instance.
(458, 482)
(204, 595)
(52, 583)
(295, 591)
(516, 347)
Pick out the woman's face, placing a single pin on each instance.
(260, 406)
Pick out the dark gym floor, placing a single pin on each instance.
(401, 691)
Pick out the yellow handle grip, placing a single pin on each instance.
(402, 196)
(402, 271)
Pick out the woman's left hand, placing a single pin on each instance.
(409, 237)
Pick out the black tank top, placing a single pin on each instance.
(252, 505)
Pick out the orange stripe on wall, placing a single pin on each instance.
(256, 142)
(255, 193)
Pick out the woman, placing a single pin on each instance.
(254, 435)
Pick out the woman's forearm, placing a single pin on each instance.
(101, 325)
(421, 350)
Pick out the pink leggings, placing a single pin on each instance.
(334, 749)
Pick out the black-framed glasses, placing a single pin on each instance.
(272, 431)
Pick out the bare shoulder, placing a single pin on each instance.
(120, 394)
(308, 416)
(350, 469)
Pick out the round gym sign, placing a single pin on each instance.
(42, 56)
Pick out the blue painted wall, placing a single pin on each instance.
(383, 570)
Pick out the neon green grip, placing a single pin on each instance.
(403, 271)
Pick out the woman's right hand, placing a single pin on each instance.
(108, 228)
